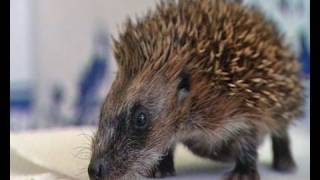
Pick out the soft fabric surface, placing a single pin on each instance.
(64, 153)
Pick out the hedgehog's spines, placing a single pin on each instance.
(240, 50)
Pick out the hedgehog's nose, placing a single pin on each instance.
(97, 170)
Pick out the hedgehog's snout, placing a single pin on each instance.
(98, 169)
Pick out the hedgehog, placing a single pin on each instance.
(214, 75)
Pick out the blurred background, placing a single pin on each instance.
(61, 63)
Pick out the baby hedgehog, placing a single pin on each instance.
(211, 74)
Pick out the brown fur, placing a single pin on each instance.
(242, 76)
(231, 52)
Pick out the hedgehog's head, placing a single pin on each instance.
(140, 118)
(138, 124)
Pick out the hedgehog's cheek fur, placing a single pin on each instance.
(151, 155)
(131, 169)
(132, 163)
(141, 167)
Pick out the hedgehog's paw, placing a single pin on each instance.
(162, 172)
(234, 175)
(284, 165)
(165, 167)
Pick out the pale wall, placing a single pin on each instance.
(63, 37)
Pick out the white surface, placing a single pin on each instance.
(58, 151)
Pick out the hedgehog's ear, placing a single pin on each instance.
(183, 86)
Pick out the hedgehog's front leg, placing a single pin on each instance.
(282, 156)
(246, 160)
(165, 167)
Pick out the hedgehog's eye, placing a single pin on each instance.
(140, 118)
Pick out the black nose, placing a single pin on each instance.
(97, 170)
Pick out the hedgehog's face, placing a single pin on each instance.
(136, 128)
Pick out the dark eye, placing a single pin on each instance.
(140, 118)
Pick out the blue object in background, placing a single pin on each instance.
(21, 99)
(57, 95)
(57, 100)
(21, 105)
(304, 54)
(89, 86)
(92, 79)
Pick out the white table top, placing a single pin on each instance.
(48, 154)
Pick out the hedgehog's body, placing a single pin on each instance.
(213, 75)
